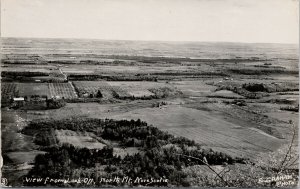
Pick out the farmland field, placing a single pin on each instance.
(50, 90)
(194, 88)
(29, 89)
(209, 130)
(85, 88)
(136, 89)
(9, 90)
(141, 93)
(63, 90)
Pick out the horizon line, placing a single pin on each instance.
(156, 41)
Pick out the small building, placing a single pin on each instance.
(18, 99)
(56, 97)
(18, 102)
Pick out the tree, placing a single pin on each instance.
(55, 103)
(99, 94)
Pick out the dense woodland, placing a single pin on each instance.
(257, 90)
(160, 154)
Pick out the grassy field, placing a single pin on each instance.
(193, 88)
(90, 141)
(209, 130)
(27, 69)
(122, 152)
(12, 140)
(23, 157)
(225, 94)
(78, 139)
(100, 69)
(29, 89)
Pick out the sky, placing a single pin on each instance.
(251, 21)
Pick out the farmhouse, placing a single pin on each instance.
(18, 102)
(18, 99)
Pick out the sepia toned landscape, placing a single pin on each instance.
(86, 112)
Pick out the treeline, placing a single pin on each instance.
(30, 76)
(262, 71)
(291, 108)
(28, 62)
(161, 92)
(268, 65)
(88, 100)
(142, 77)
(24, 74)
(37, 103)
(95, 77)
(257, 90)
(43, 79)
(271, 87)
(190, 74)
(132, 97)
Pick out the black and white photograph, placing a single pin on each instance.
(149, 93)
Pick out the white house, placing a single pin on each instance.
(18, 99)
